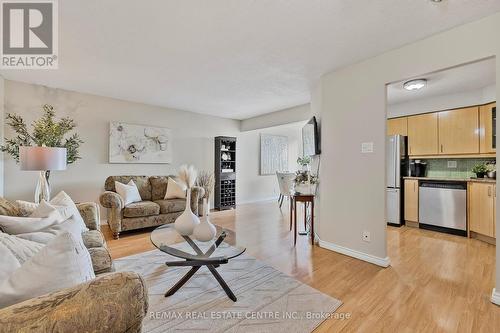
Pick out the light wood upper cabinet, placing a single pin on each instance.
(486, 132)
(494, 211)
(482, 208)
(411, 200)
(459, 131)
(423, 134)
(397, 126)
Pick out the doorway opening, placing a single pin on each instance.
(441, 171)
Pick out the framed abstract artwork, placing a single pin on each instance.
(273, 154)
(129, 143)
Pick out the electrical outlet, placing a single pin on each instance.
(367, 147)
(366, 236)
(452, 164)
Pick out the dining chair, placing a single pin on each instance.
(285, 182)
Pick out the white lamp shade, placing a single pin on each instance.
(42, 158)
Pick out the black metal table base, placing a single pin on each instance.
(196, 262)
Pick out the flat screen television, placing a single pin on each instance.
(310, 138)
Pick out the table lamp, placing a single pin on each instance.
(43, 159)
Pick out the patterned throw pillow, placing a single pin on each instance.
(8, 208)
(26, 208)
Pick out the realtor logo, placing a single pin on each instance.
(29, 34)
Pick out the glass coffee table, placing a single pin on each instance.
(197, 254)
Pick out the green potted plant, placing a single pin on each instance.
(491, 170)
(305, 182)
(47, 132)
(480, 170)
(48, 135)
(304, 162)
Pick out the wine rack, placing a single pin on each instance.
(225, 172)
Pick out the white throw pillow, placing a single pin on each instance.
(9, 262)
(128, 192)
(46, 235)
(19, 225)
(63, 263)
(175, 190)
(21, 249)
(62, 202)
(45, 209)
(70, 210)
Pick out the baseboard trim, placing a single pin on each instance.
(256, 200)
(495, 297)
(484, 238)
(382, 262)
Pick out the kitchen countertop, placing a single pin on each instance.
(476, 180)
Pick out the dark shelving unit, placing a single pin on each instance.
(225, 172)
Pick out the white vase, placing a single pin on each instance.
(187, 221)
(205, 231)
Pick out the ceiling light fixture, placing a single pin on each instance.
(436, 0)
(415, 84)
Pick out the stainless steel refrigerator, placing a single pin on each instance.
(396, 168)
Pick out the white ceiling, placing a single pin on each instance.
(231, 58)
(464, 78)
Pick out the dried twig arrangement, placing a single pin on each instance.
(206, 181)
(188, 175)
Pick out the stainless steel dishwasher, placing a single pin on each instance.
(443, 206)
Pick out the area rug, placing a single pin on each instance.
(268, 300)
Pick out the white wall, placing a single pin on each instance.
(193, 138)
(443, 102)
(353, 110)
(253, 186)
(281, 117)
(193, 142)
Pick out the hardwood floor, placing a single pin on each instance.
(436, 282)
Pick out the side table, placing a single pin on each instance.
(305, 198)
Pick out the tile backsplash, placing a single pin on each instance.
(439, 167)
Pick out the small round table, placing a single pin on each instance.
(211, 254)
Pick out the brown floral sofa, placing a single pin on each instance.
(154, 210)
(113, 302)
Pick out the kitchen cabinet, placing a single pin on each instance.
(494, 211)
(487, 128)
(397, 126)
(423, 134)
(411, 200)
(482, 208)
(458, 131)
